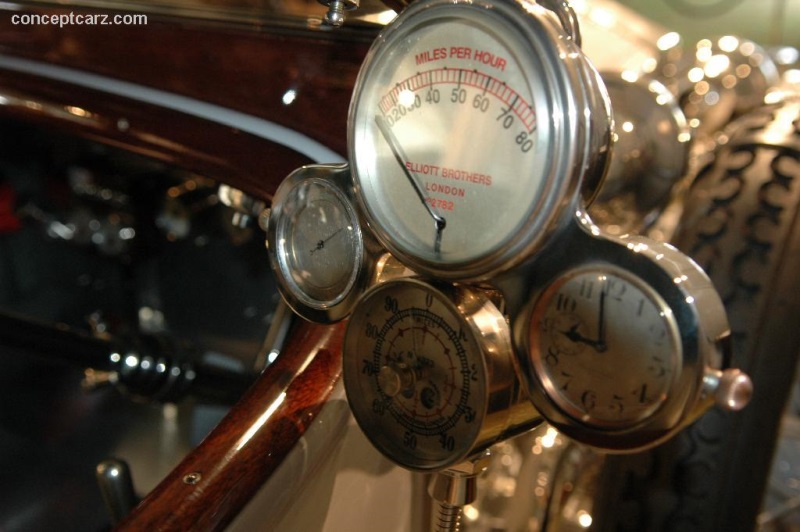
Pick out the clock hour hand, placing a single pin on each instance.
(574, 336)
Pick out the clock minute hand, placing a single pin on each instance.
(601, 321)
(400, 156)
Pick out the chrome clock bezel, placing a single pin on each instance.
(685, 291)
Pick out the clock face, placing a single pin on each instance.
(605, 347)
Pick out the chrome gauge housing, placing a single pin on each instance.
(624, 341)
(473, 130)
(316, 246)
(429, 373)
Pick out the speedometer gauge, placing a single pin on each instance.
(472, 128)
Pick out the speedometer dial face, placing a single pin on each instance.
(451, 138)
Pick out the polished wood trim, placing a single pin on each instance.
(215, 481)
(246, 68)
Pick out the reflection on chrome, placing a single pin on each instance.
(716, 80)
(651, 153)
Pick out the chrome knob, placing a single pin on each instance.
(732, 388)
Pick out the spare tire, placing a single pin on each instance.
(742, 225)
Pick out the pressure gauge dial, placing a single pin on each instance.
(428, 373)
(315, 242)
(605, 346)
(472, 127)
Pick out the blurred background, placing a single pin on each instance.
(768, 22)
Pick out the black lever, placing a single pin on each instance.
(152, 366)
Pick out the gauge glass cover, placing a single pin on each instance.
(319, 241)
(605, 347)
(415, 375)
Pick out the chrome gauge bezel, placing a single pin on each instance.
(335, 180)
(577, 112)
(679, 286)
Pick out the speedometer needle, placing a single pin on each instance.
(400, 156)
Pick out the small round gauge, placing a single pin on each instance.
(315, 242)
(416, 374)
(465, 136)
(605, 347)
